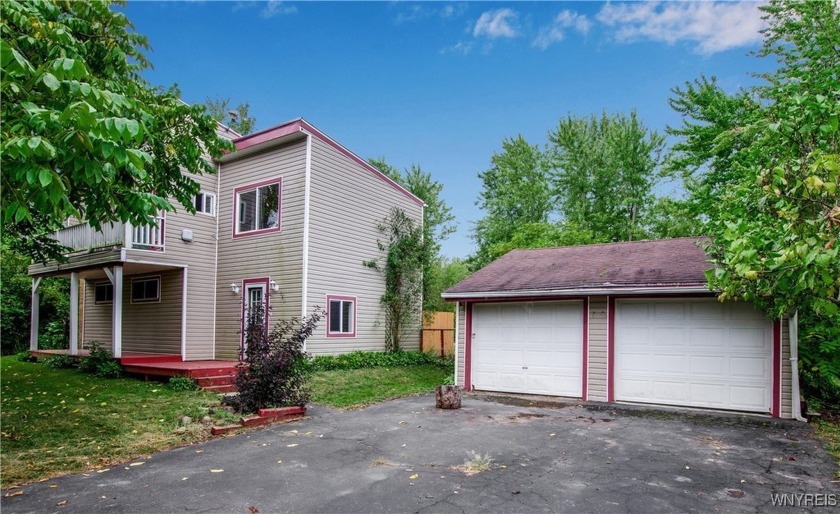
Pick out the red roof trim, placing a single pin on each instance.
(301, 125)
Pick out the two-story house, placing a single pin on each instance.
(287, 221)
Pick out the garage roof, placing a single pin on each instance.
(656, 264)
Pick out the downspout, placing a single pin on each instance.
(216, 257)
(793, 328)
(304, 290)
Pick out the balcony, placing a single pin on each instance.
(83, 238)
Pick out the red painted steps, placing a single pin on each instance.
(215, 376)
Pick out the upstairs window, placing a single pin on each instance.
(205, 203)
(258, 208)
(145, 289)
(341, 315)
(104, 292)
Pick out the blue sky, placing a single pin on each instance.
(441, 84)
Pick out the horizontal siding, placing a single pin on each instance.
(96, 321)
(153, 327)
(786, 385)
(597, 371)
(347, 202)
(276, 255)
(147, 327)
(461, 344)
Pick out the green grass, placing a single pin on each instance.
(829, 431)
(57, 421)
(359, 387)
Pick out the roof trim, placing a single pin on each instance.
(299, 125)
(581, 291)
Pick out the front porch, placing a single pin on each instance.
(218, 376)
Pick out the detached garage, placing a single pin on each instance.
(624, 322)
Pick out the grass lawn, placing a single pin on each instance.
(61, 420)
(829, 431)
(359, 387)
(57, 421)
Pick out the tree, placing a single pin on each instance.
(447, 273)
(604, 170)
(515, 192)
(438, 221)
(16, 285)
(235, 118)
(401, 264)
(593, 183)
(83, 134)
(767, 163)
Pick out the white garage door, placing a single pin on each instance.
(699, 353)
(528, 347)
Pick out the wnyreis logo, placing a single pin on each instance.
(804, 500)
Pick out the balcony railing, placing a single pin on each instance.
(83, 238)
(149, 237)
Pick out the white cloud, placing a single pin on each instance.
(275, 7)
(422, 12)
(496, 24)
(713, 26)
(461, 47)
(556, 31)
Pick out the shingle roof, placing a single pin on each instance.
(656, 263)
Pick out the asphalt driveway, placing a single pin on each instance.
(406, 456)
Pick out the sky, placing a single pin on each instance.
(442, 84)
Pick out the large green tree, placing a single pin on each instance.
(516, 194)
(604, 170)
(438, 222)
(765, 169)
(83, 134)
(592, 183)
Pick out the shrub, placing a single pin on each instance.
(100, 362)
(360, 359)
(25, 357)
(54, 335)
(182, 384)
(275, 368)
(60, 362)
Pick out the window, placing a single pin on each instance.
(205, 203)
(145, 289)
(104, 292)
(258, 208)
(341, 315)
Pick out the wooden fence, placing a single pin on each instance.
(438, 334)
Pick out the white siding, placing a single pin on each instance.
(347, 203)
(277, 255)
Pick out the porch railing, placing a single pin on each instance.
(82, 238)
(149, 237)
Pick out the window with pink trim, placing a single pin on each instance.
(257, 208)
(341, 316)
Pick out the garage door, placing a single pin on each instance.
(533, 347)
(699, 353)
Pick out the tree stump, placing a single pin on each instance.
(448, 397)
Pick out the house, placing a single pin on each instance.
(621, 322)
(287, 221)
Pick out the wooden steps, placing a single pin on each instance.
(215, 376)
